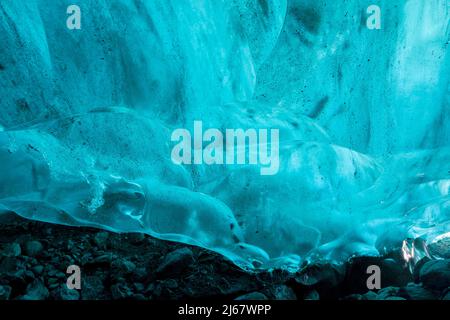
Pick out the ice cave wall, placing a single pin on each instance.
(86, 118)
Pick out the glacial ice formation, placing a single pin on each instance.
(364, 119)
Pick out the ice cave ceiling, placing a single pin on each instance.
(363, 118)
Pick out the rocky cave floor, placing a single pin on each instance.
(34, 258)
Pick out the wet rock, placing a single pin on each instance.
(11, 250)
(176, 261)
(36, 291)
(282, 292)
(121, 269)
(415, 291)
(136, 238)
(387, 292)
(354, 297)
(13, 271)
(11, 265)
(153, 290)
(395, 298)
(441, 248)
(138, 296)
(394, 273)
(436, 274)
(418, 267)
(326, 278)
(64, 293)
(370, 295)
(100, 261)
(101, 239)
(139, 287)
(170, 284)
(120, 291)
(446, 295)
(252, 296)
(92, 288)
(33, 248)
(140, 274)
(311, 295)
(5, 292)
(323, 274)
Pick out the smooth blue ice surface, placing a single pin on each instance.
(364, 117)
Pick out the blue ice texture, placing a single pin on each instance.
(364, 119)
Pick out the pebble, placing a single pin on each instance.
(415, 291)
(176, 261)
(36, 291)
(12, 250)
(5, 292)
(252, 296)
(33, 248)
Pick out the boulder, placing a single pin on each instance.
(176, 262)
(415, 291)
(36, 291)
(435, 274)
(33, 248)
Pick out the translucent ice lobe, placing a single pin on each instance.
(363, 117)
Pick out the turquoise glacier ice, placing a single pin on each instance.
(364, 120)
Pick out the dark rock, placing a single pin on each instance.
(370, 295)
(436, 274)
(441, 248)
(100, 261)
(282, 292)
(11, 265)
(394, 274)
(415, 292)
(140, 274)
(33, 248)
(92, 288)
(139, 287)
(171, 284)
(323, 274)
(395, 298)
(11, 250)
(136, 238)
(311, 295)
(354, 297)
(176, 261)
(252, 296)
(120, 291)
(64, 293)
(153, 290)
(101, 239)
(387, 292)
(121, 269)
(86, 259)
(122, 266)
(13, 271)
(326, 278)
(418, 266)
(5, 292)
(138, 296)
(36, 291)
(446, 295)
